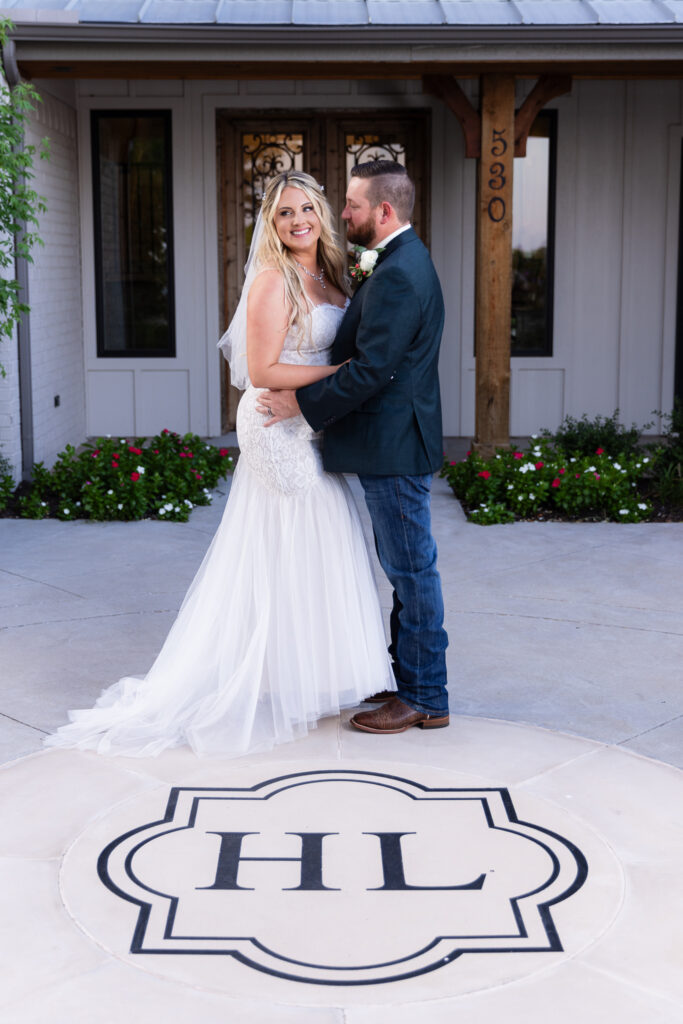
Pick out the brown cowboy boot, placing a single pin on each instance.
(395, 716)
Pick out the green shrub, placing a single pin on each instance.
(544, 480)
(128, 479)
(584, 436)
(6, 482)
(668, 457)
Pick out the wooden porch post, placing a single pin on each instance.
(494, 263)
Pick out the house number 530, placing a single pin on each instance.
(496, 206)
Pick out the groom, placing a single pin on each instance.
(381, 416)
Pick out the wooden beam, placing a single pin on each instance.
(494, 263)
(446, 88)
(546, 89)
(135, 66)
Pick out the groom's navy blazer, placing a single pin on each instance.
(381, 413)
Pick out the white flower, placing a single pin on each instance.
(140, 469)
(642, 505)
(511, 487)
(189, 503)
(623, 511)
(646, 460)
(368, 259)
(591, 469)
(572, 460)
(168, 506)
(67, 512)
(532, 497)
(43, 504)
(617, 466)
(177, 508)
(162, 511)
(119, 507)
(122, 440)
(534, 436)
(110, 492)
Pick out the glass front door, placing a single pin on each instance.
(253, 149)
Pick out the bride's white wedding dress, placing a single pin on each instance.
(281, 624)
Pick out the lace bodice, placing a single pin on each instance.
(287, 456)
(315, 349)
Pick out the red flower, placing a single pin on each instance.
(519, 455)
(198, 475)
(164, 431)
(599, 451)
(556, 482)
(190, 455)
(577, 475)
(96, 453)
(540, 465)
(156, 451)
(134, 476)
(485, 473)
(562, 471)
(135, 451)
(597, 476)
(452, 463)
(115, 465)
(468, 455)
(116, 455)
(223, 452)
(182, 455)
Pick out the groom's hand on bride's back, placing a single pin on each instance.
(277, 406)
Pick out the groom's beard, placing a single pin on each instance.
(362, 234)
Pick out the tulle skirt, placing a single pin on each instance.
(280, 627)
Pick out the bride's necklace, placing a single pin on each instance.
(316, 277)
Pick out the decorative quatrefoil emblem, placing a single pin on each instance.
(342, 877)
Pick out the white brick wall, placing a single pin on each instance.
(55, 288)
(10, 422)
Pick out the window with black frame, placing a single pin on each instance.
(133, 233)
(533, 241)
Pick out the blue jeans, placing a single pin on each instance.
(399, 508)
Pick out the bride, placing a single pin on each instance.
(281, 624)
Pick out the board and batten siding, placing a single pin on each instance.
(616, 230)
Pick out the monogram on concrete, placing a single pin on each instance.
(343, 877)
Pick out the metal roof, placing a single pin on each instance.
(332, 13)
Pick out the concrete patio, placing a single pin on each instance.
(565, 656)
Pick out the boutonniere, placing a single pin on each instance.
(365, 262)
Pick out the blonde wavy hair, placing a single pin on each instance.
(274, 254)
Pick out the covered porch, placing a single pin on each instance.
(565, 287)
